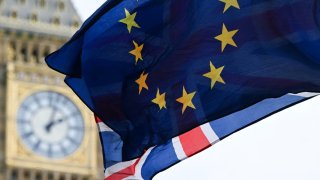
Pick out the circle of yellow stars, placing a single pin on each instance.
(214, 75)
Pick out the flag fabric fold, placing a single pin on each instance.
(169, 78)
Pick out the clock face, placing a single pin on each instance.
(50, 124)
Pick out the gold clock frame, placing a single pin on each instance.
(24, 80)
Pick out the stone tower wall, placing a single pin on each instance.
(29, 31)
(2, 107)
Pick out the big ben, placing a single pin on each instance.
(46, 132)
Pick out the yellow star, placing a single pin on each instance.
(142, 82)
(214, 75)
(129, 20)
(226, 37)
(137, 51)
(186, 100)
(160, 100)
(230, 3)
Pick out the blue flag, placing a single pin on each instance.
(168, 78)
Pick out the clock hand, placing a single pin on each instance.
(58, 121)
(49, 126)
(51, 119)
(52, 123)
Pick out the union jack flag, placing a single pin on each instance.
(161, 157)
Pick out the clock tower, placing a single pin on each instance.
(46, 132)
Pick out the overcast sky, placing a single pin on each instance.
(285, 146)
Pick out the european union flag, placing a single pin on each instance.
(168, 78)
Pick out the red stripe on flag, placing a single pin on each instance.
(97, 119)
(194, 141)
(126, 172)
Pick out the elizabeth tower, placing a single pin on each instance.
(46, 132)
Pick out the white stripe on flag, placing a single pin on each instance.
(178, 148)
(118, 167)
(137, 175)
(209, 133)
(305, 94)
(103, 127)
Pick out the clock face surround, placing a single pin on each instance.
(50, 124)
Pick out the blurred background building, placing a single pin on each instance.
(45, 130)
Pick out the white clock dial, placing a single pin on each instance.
(50, 124)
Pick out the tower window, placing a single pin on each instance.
(26, 174)
(75, 24)
(56, 21)
(74, 177)
(14, 14)
(34, 17)
(42, 3)
(23, 53)
(35, 55)
(14, 174)
(61, 6)
(50, 176)
(62, 177)
(38, 176)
